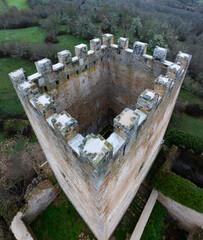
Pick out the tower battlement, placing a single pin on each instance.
(71, 104)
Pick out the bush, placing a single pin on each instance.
(51, 38)
(193, 109)
(178, 137)
(30, 51)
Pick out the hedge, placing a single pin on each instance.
(178, 137)
(179, 189)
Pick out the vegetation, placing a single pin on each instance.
(155, 227)
(59, 221)
(178, 137)
(20, 4)
(10, 105)
(179, 189)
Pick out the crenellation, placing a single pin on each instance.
(44, 104)
(44, 66)
(126, 123)
(96, 151)
(148, 100)
(28, 87)
(65, 125)
(81, 50)
(174, 71)
(94, 91)
(139, 48)
(95, 45)
(160, 53)
(162, 85)
(107, 39)
(18, 76)
(123, 43)
(64, 57)
(183, 59)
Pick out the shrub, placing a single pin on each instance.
(179, 189)
(193, 109)
(178, 137)
(51, 38)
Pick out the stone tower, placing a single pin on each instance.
(100, 118)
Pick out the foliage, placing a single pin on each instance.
(178, 137)
(155, 227)
(51, 38)
(179, 189)
(86, 29)
(193, 109)
(136, 26)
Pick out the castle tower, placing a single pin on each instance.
(100, 118)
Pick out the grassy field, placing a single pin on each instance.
(36, 35)
(186, 122)
(60, 221)
(20, 4)
(9, 103)
(31, 34)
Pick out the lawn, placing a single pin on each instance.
(185, 122)
(36, 35)
(60, 221)
(155, 227)
(9, 103)
(20, 4)
(188, 98)
(31, 35)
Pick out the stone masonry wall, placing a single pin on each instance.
(101, 176)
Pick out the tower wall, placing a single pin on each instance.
(101, 176)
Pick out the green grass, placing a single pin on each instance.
(155, 227)
(59, 221)
(69, 42)
(31, 35)
(9, 103)
(188, 98)
(20, 4)
(36, 35)
(187, 123)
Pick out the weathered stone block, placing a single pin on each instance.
(126, 122)
(81, 50)
(95, 150)
(44, 66)
(123, 43)
(173, 71)
(139, 48)
(148, 100)
(95, 44)
(162, 85)
(183, 59)
(28, 87)
(160, 53)
(44, 104)
(107, 39)
(18, 76)
(64, 56)
(66, 125)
